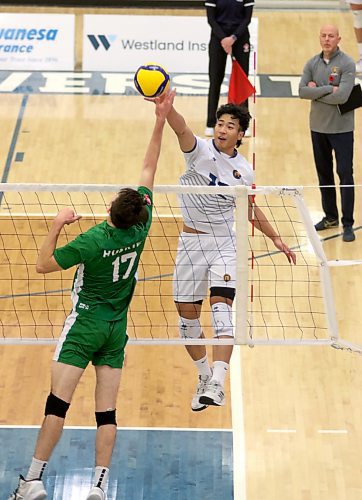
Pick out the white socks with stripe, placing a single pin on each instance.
(203, 366)
(36, 469)
(101, 477)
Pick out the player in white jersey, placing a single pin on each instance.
(206, 256)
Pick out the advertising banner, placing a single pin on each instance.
(37, 42)
(123, 43)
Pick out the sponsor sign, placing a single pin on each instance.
(103, 83)
(123, 43)
(37, 41)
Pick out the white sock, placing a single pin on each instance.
(36, 469)
(101, 477)
(203, 366)
(360, 50)
(219, 372)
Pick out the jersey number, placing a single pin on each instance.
(219, 183)
(127, 256)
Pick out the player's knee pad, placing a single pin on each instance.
(106, 417)
(222, 291)
(357, 19)
(189, 328)
(222, 320)
(56, 406)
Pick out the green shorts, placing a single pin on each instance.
(85, 338)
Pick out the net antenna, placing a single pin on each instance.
(276, 303)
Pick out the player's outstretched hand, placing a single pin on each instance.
(292, 258)
(164, 103)
(66, 216)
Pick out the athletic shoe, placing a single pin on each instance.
(209, 132)
(213, 395)
(348, 234)
(359, 66)
(326, 224)
(247, 133)
(96, 493)
(29, 490)
(201, 387)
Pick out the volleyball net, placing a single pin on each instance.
(276, 302)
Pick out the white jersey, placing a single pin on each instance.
(207, 166)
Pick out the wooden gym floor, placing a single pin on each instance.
(302, 406)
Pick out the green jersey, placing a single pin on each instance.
(107, 259)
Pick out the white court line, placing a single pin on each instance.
(320, 431)
(86, 427)
(237, 417)
(332, 431)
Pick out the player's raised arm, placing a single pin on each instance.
(184, 134)
(162, 109)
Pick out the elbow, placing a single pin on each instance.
(40, 268)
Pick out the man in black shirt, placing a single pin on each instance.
(229, 21)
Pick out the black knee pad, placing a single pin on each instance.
(222, 291)
(193, 302)
(106, 418)
(56, 406)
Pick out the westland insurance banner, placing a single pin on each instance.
(37, 42)
(123, 43)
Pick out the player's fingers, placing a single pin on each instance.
(290, 255)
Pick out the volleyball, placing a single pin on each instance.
(151, 80)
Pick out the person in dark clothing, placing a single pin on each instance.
(229, 21)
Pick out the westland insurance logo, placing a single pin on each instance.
(101, 41)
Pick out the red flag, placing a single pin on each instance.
(240, 87)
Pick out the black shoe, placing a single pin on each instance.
(326, 224)
(348, 234)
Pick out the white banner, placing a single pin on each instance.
(37, 42)
(123, 43)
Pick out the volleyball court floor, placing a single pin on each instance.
(163, 451)
(167, 457)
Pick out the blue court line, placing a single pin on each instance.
(14, 139)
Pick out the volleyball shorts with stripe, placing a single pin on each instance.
(85, 339)
(203, 261)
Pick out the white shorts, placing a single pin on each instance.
(356, 2)
(203, 261)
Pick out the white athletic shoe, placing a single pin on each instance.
(247, 132)
(200, 389)
(359, 66)
(96, 493)
(29, 490)
(209, 132)
(213, 395)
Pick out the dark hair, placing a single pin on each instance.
(237, 112)
(128, 209)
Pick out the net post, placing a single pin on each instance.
(241, 300)
(326, 282)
